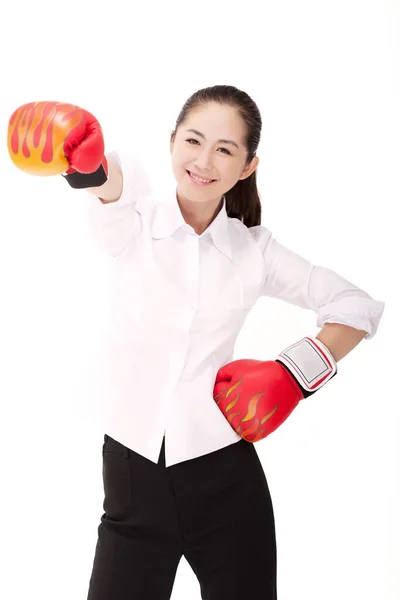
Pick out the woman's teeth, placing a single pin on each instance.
(200, 180)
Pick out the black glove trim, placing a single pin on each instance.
(85, 180)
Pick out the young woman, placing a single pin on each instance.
(181, 473)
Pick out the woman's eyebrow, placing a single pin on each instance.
(218, 141)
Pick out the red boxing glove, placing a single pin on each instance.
(256, 396)
(52, 138)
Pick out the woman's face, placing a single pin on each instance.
(200, 152)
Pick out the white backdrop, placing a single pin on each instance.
(326, 79)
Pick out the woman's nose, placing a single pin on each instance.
(203, 160)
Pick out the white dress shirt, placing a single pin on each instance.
(178, 301)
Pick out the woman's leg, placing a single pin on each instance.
(228, 523)
(139, 542)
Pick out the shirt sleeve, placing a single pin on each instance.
(114, 224)
(296, 280)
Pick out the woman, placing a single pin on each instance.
(186, 270)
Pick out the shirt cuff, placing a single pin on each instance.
(136, 183)
(361, 313)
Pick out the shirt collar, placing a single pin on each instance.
(168, 218)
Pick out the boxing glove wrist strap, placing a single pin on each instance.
(86, 180)
(310, 362)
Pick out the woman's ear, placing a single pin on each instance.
(251, 167)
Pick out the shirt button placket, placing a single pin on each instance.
(192, 269)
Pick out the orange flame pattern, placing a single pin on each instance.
(244, 422)
(36, 136)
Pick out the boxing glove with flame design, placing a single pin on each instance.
(256, 396)
(56, 138)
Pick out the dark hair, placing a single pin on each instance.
(243, 200)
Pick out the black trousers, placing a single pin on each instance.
(215, 510)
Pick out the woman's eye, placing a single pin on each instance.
(192, 140)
